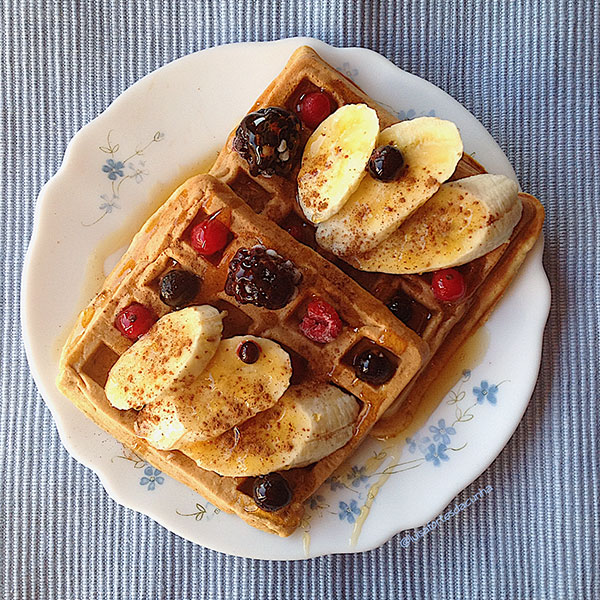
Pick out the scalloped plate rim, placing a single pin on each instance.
(44, 203)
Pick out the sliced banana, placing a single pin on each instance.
(334, 160)
(175, 351)
(309, 422)
(225, 394)
(464, 220)
(431, 148)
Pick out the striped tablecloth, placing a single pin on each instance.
(530, 71)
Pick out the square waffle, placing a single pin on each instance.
(442, 326)
(95, 344)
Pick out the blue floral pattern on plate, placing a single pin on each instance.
(441, 432)
(485, 390)
(152, 478)
(436, 454)
(114, 167)
(436, 449)
(349, 512)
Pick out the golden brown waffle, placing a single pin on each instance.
(486, 278)
(95, 344)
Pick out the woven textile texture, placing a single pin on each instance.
(530, 72)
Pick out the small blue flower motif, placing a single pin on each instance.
(152, 477)
(436, 454)
(348, 511)
(334, 483)
(441, 432)
(411, 113)
(137, 172)
(107, 207)
(418, 443)
(348, 71)
(486, 391)
(316, 501)
(114, 169)
(358, 476)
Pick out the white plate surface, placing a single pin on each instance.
(120, 166)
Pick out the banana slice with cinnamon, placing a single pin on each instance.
(309, 422)
(464, 220)
(228, 392)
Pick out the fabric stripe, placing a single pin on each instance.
(530, 71)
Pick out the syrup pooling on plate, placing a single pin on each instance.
(204, 412)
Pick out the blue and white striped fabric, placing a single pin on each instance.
(530, 71)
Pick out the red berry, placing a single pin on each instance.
(134, 321)
(448, 285)
(209, 237)
(321, 323)
(314, 108)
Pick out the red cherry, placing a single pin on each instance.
(134, 321)
(448, 285)
(314, 108)
(209, 237)
(321, 323)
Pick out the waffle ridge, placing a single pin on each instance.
(164, 242)
(259, 210)
(442, 326)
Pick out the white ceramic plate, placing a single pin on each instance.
(115, 172)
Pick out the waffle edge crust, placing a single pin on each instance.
(95, 344)
(256, 207)
(442, 326)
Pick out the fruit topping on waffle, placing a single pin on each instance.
(261, 277)
(461, 222)
(268, 140)
(249, 362)
(397, 206)
(235, 369)
(410, 160)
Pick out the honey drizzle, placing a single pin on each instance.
(374, 489)
(404, 421)
(121, 237)
(468, 356)
(306, 543)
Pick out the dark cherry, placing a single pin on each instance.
(386, 163)
(261, 277)
(269, 141)
(248, 352)
(271, 492)
(178, 287)
(401, 308)
(373, 366)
